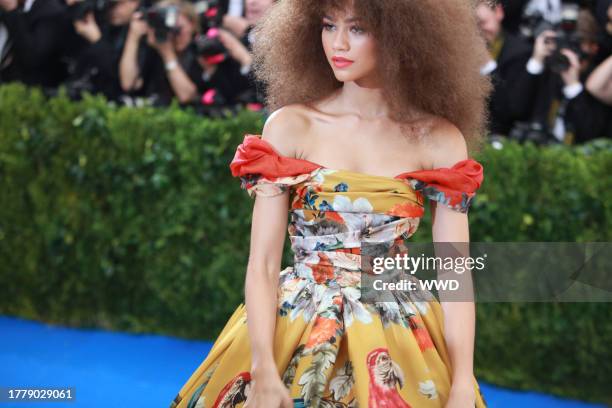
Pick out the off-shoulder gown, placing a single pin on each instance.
(330, 348)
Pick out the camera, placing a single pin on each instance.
(210, 13)
(566, 37)
(209, 47)
(531, 24)
(163, 20)
(80, 9)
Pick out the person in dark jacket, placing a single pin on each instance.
(568, 111)
(162, 69)
(36, 33)
(514, 85)
(98, 41)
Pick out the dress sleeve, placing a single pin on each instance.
(263, 171)
(454, 187)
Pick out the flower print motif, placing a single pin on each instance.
(342, 383)
(457, 200)
(325, 206)
(318, 175)
(234, 392)
(324, 330)
(300, 301)
(314, 378)
(334, 216)
(384, 374)
(406, 210)
(352, 211)
(306, 196)
(420, 333)
(291, 370)
(309, 199)
(353, 308)
(343, 203)
(323, 271)
(390, 313)
(321, 246)
(428, 388)
(341, 187)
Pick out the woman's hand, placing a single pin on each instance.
(461, 396)
(268, 391)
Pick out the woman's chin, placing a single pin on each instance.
(344, 76)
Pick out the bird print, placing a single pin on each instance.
(384, 375)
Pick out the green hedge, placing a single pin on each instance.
(129, 219)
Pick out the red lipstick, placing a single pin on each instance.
(341, 62)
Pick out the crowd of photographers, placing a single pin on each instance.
(551, 64)
(550, 60)
(132, 51)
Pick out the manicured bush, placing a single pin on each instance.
(129, 219)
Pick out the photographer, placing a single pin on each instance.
(165, 66)
(241, 26)
(99, 46)
(226, 76)
(514, 86)
(32, 50)
(568, 111)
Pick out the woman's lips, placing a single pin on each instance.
(340, 62)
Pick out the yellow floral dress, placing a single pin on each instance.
(331, 349)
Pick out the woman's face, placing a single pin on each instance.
(255, 9)
(185, 35)
(350, 50)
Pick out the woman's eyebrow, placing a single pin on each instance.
(347, 20)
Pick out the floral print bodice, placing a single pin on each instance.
(338, 209)
(333, 212)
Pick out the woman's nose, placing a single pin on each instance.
(340, 40)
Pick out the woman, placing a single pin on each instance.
(390, 90)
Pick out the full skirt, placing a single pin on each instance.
(332, 350)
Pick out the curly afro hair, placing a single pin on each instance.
(430, 54)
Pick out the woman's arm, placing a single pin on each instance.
(268, 233)
(448, 225)
(129, 72)
(599, 83)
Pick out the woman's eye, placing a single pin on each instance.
(327, 26)
(358, 29)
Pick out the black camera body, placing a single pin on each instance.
(566, 37)
(163, 20)
(210, 13)
(558, 62)
(207, 45)
(210, 48)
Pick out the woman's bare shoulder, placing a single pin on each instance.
(285, 129)
(445, 144)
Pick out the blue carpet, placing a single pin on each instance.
(110, 369)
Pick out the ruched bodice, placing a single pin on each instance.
(334, 211)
